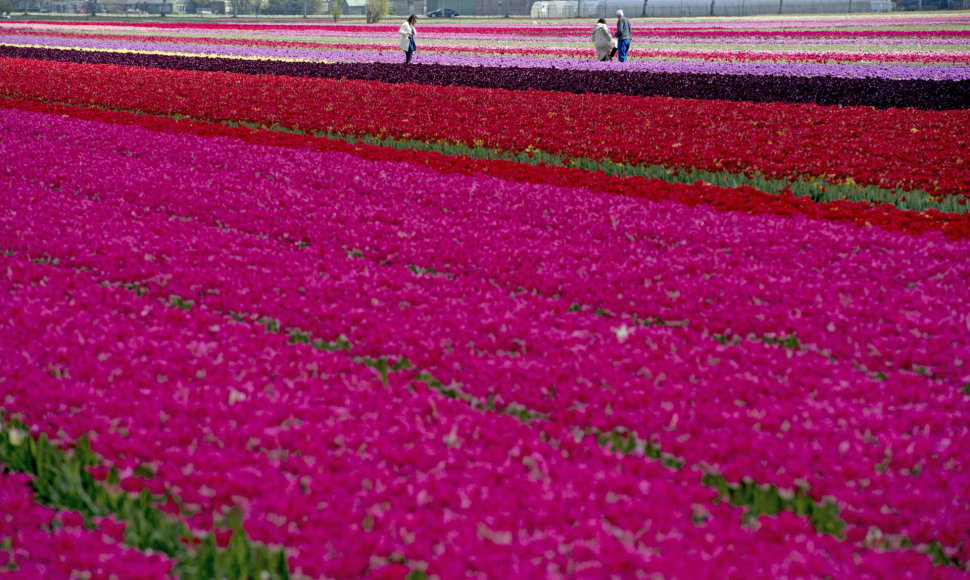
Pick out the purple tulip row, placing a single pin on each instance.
(885, 71)
(390, 55)
(783, 417)
(759, 82)
(644, 36)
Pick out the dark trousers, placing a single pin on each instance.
(407, 56)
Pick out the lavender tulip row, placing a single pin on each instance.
(897, 72)
(354, 478)
(713, 84)
(582, 370)
(645, 40)
(755, 68)
(645, 45)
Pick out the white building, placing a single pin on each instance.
(676, 8)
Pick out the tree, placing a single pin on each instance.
(238, 6)
(337, 8)
(374, 10)
(293, 6)
(195, 6)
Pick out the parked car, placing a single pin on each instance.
(446, 12)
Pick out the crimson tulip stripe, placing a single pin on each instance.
(784, 141)
(740, 199)
(414, 332)
(876, 92)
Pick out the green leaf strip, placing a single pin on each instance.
(62, 480)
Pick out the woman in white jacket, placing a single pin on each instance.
(603, 41)
(406, 31)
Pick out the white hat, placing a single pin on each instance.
(619, 13)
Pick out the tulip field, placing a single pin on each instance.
(274, 304)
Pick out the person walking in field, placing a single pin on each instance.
(623, 36)
(603, 41)
(406, 31)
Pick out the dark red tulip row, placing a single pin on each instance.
(823, 90)
(899, 149)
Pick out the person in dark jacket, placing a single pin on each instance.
(623, 36)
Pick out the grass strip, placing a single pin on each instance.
(817, 189)
(61, 480)
(743, 198)
(759, 500)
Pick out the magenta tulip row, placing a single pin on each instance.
(779, 416)
(353, 477)
(885, 301)
(42, 543)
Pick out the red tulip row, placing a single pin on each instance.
(891, 148)
(740, 199)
